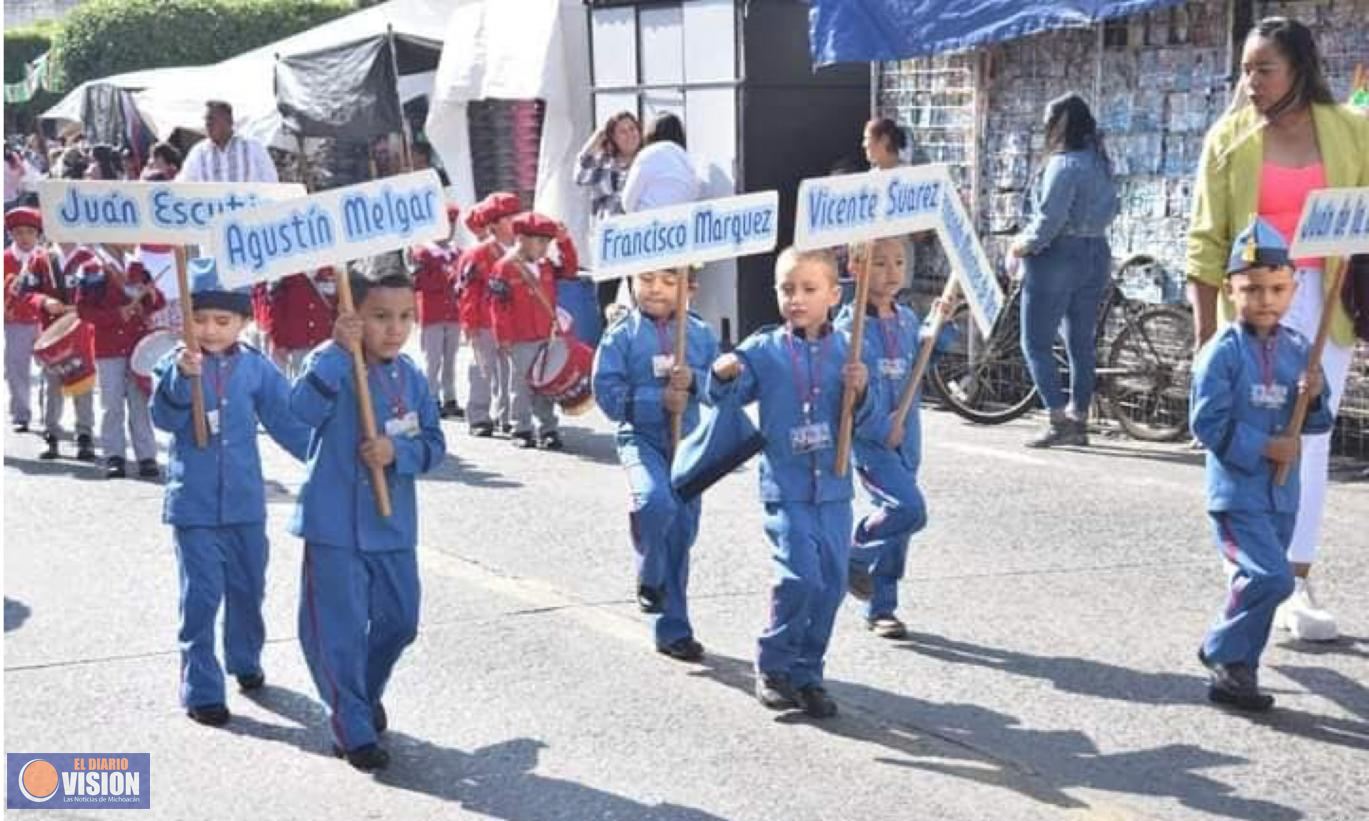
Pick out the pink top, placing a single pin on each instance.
(1283, 191)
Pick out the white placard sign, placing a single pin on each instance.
(1334, 223)
(688, 234)
(332, 227)
(177, 213)
(859, 207)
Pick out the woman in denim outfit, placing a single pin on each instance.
(1067, 261)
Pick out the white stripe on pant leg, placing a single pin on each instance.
(111, 373)
(1316, 458)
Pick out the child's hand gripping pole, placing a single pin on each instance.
(1313, 364)
(924, 357)
(848, 396)
(200, 421)
(681, 337)
(379, 487)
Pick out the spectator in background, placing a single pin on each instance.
(36, 151)
(165, 163)
(423, 158)
(104, 163)
(603, 168)
(662, 173)
(132, 165)
(224, 156)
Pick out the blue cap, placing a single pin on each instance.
(207, 290)
(1260, 245)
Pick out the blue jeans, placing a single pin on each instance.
(1065, 282)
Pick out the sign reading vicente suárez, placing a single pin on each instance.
(176, 213)
(1334, 223)
(331, 227)
(861, 207)
(688, 234)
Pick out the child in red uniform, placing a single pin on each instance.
(302, 308)
(119, 305)
(522, 321)
(489, 371)
(439, 315)
(55, 295)
(25, 262)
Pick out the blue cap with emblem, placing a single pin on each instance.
(207, 290)
(1260, 245)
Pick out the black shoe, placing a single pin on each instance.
(147, 469)
(650, 599)
(816, 703)
(776, 693)
(451, 410)
(1068, 433)
(523, 440)
(114, 468)
(379, 718)
(506, 428)
(551, 440)
(368, 757)
(21, 427)
(85, 448)
(859, 582)
(211, 715)
(887, 627)
(1235, 685)
(252, 681)
(686, 649)
(482, 430)
(51, 452)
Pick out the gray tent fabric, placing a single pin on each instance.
(347, 91)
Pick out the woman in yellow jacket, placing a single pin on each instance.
(1283, 137)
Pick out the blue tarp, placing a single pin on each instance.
(862, 31)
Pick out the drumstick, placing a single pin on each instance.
(1313, 362)
(379, 488)
(201, 422)
(924, 357)
(681, 333)
(848, 396)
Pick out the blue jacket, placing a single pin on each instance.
(770, 376)
(1234, 413)
(890, 351)
(1075, 197)
(221, 484)
(336, 504)
(625, 383)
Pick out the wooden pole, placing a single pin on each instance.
(1314, 362)
(201, 422)
(681, 337)
(924, 357)
(848, 396)
(368, 414)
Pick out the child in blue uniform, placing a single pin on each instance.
(887, 460)
(797, 373)
(359, 592)
(214, 495)
(1245, 383)
(638, 385)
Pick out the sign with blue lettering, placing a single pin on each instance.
(1334, 223)
(175, 213)
(862, 207)
(332, 227)
(688, 234)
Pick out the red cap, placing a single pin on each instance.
(533, 224)
(475, 217)
(453, 211)
(23, 216)
(499, 205)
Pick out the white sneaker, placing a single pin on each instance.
(1301, 616)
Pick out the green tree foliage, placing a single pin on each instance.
(22, 45)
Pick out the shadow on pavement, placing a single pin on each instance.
(1334, 686)
(1344, 646)
(1177, 454)
(456, 469)
(997, 751)
(85, 471)
(16, 613)
(497, 780)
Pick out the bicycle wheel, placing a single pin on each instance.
(1148, 372)
(985, 381)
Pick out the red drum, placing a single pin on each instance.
(561, 372)
(67, 351)
(147, 353)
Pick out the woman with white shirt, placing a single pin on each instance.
(662, 174)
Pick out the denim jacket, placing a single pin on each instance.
(1075, 197)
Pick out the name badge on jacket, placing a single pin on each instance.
(1268, 396)
(893, 368)
(661, 365)
(406, 425)
(810, 438)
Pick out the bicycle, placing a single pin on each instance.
(1144, 355)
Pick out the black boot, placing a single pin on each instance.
(211, 715)
(482, 430)
(251, 681)
(51, 451)
(685, 649)
(368, 757)
(816, 703)
(1235, 685)
(147, 469)
(114, 468)
(85, 448)
(776, 692)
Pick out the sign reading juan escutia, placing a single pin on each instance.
(861, 207)
(176, 213)
(688, 234)
(335, 226)
(1334, 223)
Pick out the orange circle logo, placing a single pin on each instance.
(38, 780)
